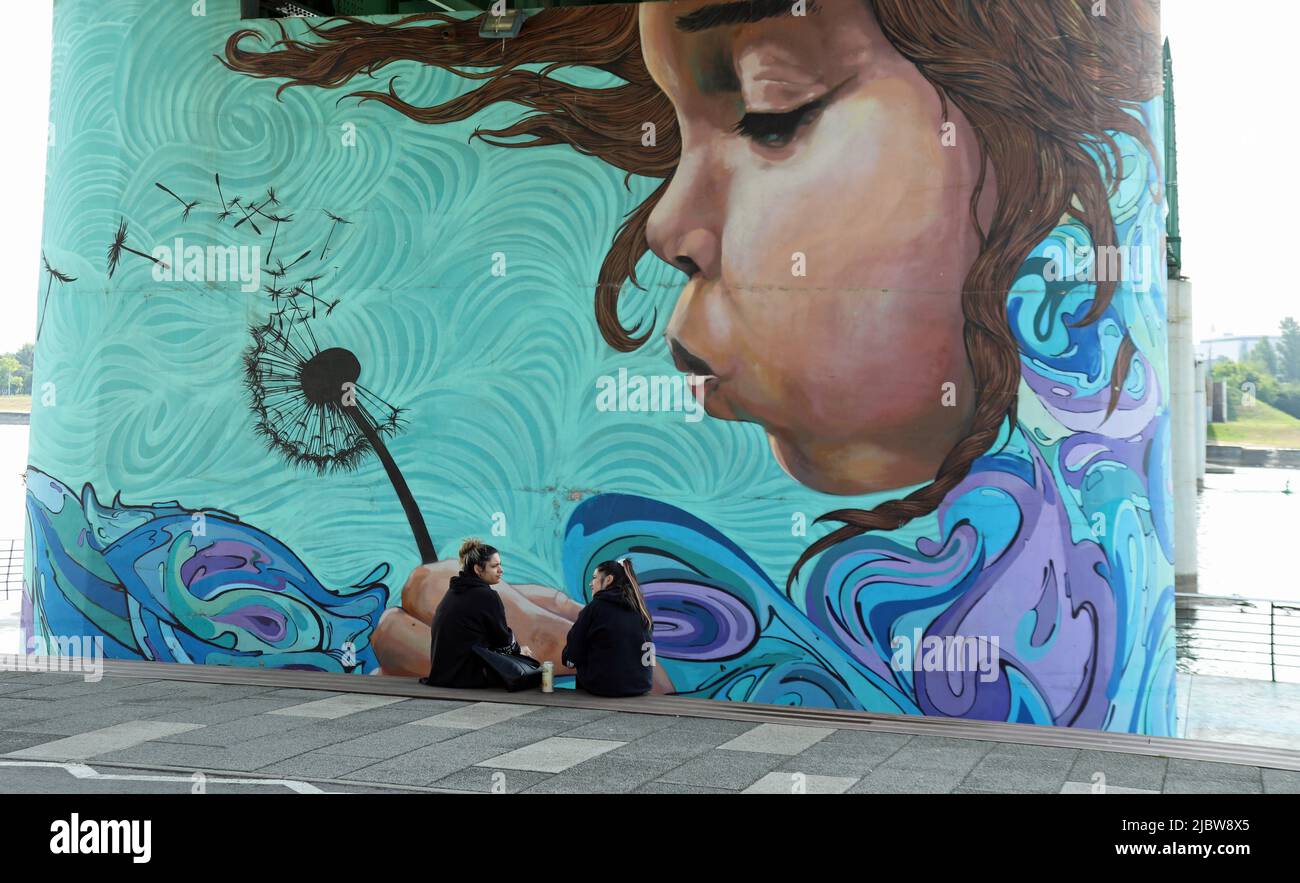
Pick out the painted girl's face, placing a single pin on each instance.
(821, 209)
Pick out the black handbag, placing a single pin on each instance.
(515, 670)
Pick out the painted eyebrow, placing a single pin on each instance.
(743, 12)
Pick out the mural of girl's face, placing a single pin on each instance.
(821, 209)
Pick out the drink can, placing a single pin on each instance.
(548, 677)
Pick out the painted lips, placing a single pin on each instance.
(700, 375)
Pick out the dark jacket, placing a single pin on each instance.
(607, 646)
(471, 613)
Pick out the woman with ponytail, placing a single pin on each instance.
(610, 645)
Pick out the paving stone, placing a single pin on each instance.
(394, 715)
(1018, 775)
(672, 743)
(73, 689)
(333, 707)
(190, 757)
(725, 769)
(602, 775)
(929, 752)
(95, 719)
(315, 765)
(975, 791)
(7, 689)
(424, 766)
(102, 741)
(1086, 788)
(391, 742)
(477, 716)
(243, 757)
(853, 758)
(234, 710)
(305, 695)
(17, 741)
(1281, 781)
(865, 742)
(551, 755)
(800, 783)
(183, 692)
(885, 780)
(1185, 785)
(487, 780)
(1012, 750)
(528, 729)
(1022, 769)
(711, 725)
(16, 711)
(42, 677)
(676, 788)
(235, 732)
(1121, 770)
(1199, 769)
(568, 713)
(777, 739)
(622, 727)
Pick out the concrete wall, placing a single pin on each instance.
(272, 404)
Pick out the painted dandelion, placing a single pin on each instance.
(248, 218)
(54, 274)
(287, 219)
(334, 226)
(189, 206)
(227, 209)
(311, 410)
(119, 246)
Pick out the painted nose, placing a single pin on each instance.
(685, 228)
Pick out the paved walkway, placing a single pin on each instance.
(59, 733)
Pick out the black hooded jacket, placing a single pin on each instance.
(607, 645)
(471, 613)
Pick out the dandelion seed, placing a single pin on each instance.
(54, 274)
(119, 245)
(189, 206)
(334, 226)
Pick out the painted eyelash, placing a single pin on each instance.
(757, 126)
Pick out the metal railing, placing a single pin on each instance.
(1242, 637)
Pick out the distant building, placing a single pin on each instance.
(1233, 346)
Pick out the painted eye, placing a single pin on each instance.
(776, 130)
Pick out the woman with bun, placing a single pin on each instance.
(610, 643)
(470, 614)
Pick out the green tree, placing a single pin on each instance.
(1289, 350)
(1266, 356)
(1244, 379)
(10, 375)
(26, 357)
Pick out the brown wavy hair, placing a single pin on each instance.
(1045, 84)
